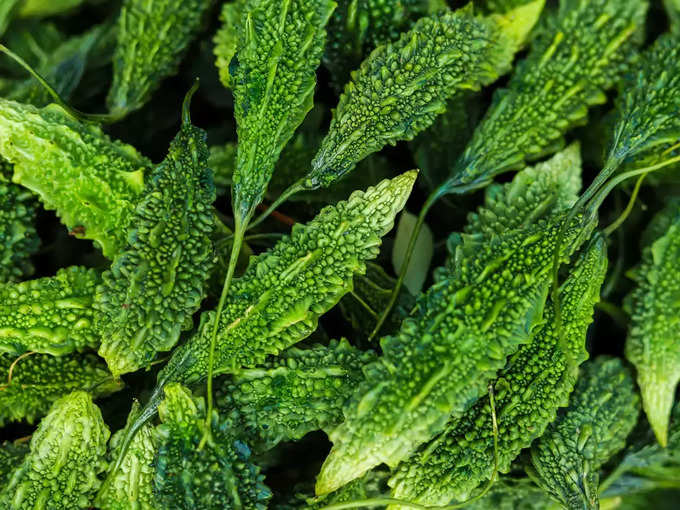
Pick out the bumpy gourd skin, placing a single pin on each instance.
(218, 476)
(158, 281)
(535, 382)
(402, 86)
(91, 181)
(67, 455)
(647, 110)
(602, 411)
(51, 315)
(11, 456)
(299, 391)
(579, 53)
(447, 351)
(132, 486)
(278, 300)
(535, 192)
(153, 36)
(226, 38)
(653, 343)
(18, 238)
(37, 380)
(280, 46)
(359, 26)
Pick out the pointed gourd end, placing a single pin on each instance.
(657, 400)
(518, 23)
(335, 473)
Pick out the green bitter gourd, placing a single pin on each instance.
(51, 315)
(602, 412)
(66, 456)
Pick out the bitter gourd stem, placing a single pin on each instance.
(629, 207)
(449, 187)
(241, 224)
(287, 193)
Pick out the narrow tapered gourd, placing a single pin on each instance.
(226, 39)
(448, 350)
(647, 110)
(153, 36)
(51, 315)
(278, 300)
(30, 384)
(90, 181)
(158, 280)
(602, 411)
(217, 476)
(535, 382)
(401, 87)
(66, 456)
(18, 237)
(653, 343)
(579, 53)
(300, 391)
(357, 27)
(279, 48)
(132, 488)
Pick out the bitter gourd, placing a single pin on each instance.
(18, 237)
(299, 391)
(30, 384)
(66, 456)
(653, 343)
(158, 280)
(217, 476)
(132, 488)
(401, 87)
(280, 46)
(647, 119)
(357, 27)
(91, 181)
(51, 315)
(153, 36)
(11, 456)
(576, 55)
(602, 412)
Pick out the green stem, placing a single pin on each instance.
(239, 232)
(448, 187)
(394, 501)
(287, 193)
(103, 118)
(629, 207)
